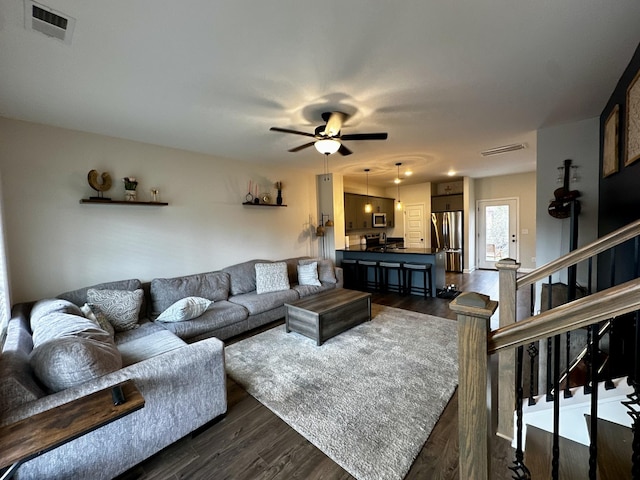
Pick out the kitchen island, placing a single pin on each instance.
(418, 255)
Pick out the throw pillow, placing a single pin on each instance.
(99, 319)
(42, 308)
(57, 325)
(308, 274)
(271, 277)
(326, 272)
(185, 309)
(70, 361)
(120, 307)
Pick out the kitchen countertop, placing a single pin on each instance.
(418, 251)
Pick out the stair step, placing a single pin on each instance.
(614, 449)
(574, 457)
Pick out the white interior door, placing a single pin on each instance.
(497, 231)
(414, 226)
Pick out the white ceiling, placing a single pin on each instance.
(445, 79)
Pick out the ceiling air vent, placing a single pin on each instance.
(504, 149)
(46, 20)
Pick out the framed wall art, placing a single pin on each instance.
(610, 143)
(633, 121)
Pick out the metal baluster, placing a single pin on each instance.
(549, 396)
(567, 380)
(593, 445)
(587, 360)
(608, 383)
(633, 404)
(590, 272)
(555, 461)
(532, 350)
(520, 470)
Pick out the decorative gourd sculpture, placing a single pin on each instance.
(94, 183)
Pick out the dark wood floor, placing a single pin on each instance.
(251, 442)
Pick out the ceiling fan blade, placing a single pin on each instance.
(344, 150)
(364, 136)
(301, 147)
(286, 130)
(334, 123)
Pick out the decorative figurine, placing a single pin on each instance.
(100, 188)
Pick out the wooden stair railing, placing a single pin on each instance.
(476, 344)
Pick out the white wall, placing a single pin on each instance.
(580, 142)
(56, 244)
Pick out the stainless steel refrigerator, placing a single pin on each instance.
(446, 234)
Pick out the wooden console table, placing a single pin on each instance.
(33, 436)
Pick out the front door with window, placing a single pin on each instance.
(497, 231)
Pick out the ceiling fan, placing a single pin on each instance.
(328, 138)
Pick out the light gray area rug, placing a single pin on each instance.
(367, 398)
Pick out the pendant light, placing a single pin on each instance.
(368, 208)
(397, 180)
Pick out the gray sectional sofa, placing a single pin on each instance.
(178, 366)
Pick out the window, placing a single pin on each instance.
(5, 299)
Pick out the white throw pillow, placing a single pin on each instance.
(308, 274)
(271, 277)
(185, 309)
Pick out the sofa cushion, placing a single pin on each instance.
(271, 277)
(79, 296)
(52, 305)
(70, 361)
(243, 276)
(167, 291)
(257, 303)
(147, 341)
(308, 274)
(326, 270)
(121, 307)
(185, 309)
(292, 268)
(58, 325)
(218, 315)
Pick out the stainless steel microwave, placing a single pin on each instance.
(379, 220)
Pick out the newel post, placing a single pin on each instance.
(507, 269)
(473, 311)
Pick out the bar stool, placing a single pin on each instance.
(425, 269)
(363, 267)
(385, 268)
(351, 277)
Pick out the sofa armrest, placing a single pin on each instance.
(172, 369)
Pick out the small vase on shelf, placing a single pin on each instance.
(130, 195)
(279, 197)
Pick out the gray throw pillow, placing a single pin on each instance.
(120, 307)
(326, 271)
(185, 309)
(271, 277)
(70, 361)
(57, 325)
(42, 308)
(308, 274)
(99, 319)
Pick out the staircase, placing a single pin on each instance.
(578, 432)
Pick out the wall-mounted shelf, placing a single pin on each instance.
(123, 202)
(251, 204)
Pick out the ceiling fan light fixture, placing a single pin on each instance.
(504, 149)
(327, 146)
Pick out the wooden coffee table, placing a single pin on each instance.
(327, 314)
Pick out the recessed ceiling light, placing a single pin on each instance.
(503, 149)
(451, 173)
(408, 173)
